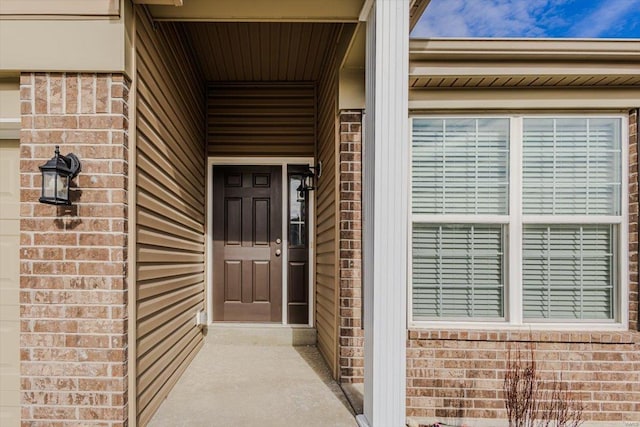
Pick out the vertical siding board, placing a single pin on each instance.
(169, 207)
(386, 152)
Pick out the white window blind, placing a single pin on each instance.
(571, 166)
(568, 272)
(458, 271)
(460, 166)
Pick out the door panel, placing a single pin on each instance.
(261, 215)
(247, 224)
(261, 287)
(233, 222)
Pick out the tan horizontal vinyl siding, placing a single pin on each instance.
(326, 296)
(170, 210)
(257, 119)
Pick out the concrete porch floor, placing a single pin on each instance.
(263, 385)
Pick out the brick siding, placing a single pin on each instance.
(633, 220)
(456, 374)
(73, 311)
(73, 284)
(351, 333)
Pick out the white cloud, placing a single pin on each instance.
(489, 18)
(604, 17)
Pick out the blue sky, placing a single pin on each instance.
(531, 18)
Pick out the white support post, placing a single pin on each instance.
(386, 192)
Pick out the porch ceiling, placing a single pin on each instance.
(273, 51)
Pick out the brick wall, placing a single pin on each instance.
(633, 220)
(454, 374)
(351, 333)
(73, 260)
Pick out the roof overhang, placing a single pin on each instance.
(160, 2)
(256, 10)
(480, 63)
(416, 10)
(272, 10)
(523, 73)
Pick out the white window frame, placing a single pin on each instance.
(513, 289)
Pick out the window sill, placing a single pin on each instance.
(533, 326)
(590, 334)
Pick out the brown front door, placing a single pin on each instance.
(247, 227)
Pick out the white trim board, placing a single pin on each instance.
(10, 128)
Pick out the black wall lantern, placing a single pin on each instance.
(57, 174)
(308, 179)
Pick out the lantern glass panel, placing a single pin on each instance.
(49, 181)
(62, 186)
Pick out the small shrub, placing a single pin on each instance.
(532, 402)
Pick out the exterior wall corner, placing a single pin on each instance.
(350, 204)
(73, 260)
(634, 122)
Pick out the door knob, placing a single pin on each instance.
(278, 252)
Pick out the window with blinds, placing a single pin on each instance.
(563, 197)
(460, 166)
(568, 271)
(458, 271)
(571, 166)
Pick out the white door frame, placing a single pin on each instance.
(283, 162)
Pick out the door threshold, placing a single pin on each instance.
(261, 334)
(256, 325)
